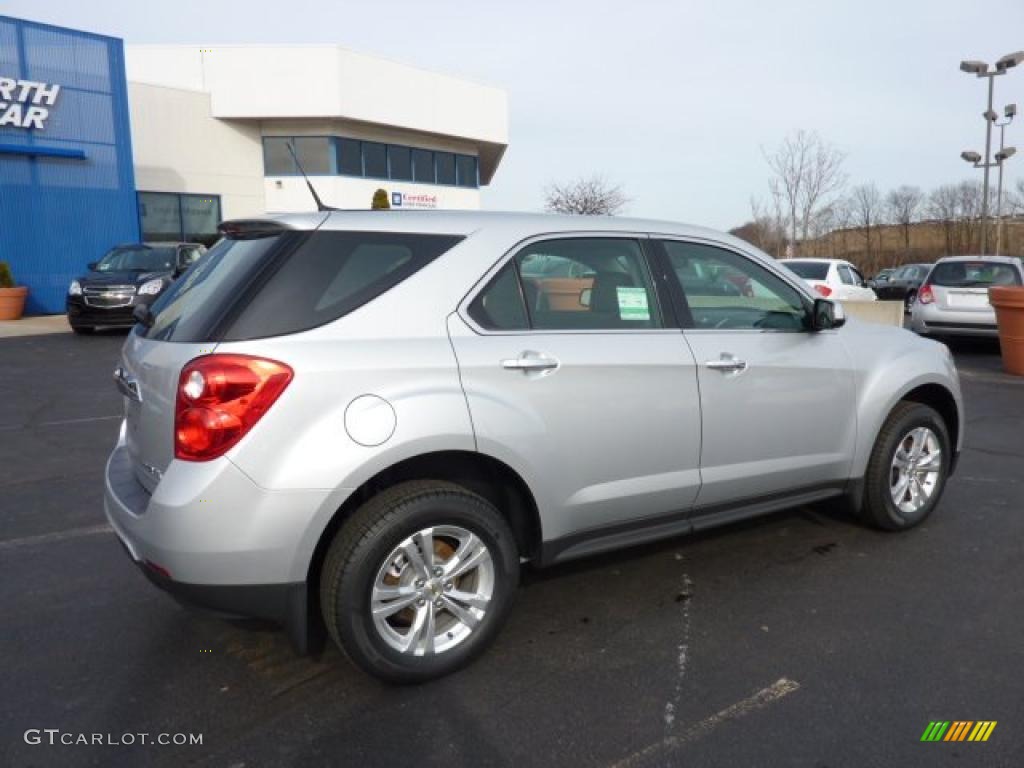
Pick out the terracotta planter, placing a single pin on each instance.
(12, 302)
(1009, 305)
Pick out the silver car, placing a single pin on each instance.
(953, 299)
(364, 424)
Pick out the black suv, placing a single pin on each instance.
(129, 275)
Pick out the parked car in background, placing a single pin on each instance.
(953, 300)
(362, 423)
(903, 284)
(882, 277)
(832, 278)
(126, 277)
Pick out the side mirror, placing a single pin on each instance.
(827, 315)
(91, 265)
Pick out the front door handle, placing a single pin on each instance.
(727, 364)
(529, 362)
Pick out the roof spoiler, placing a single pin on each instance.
(250, 229)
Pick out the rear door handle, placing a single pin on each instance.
(727, 364)
(527, 362)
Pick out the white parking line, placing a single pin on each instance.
(761, 699)
(46, 538)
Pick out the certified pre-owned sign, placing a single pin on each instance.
(26, 103)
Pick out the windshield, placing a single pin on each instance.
(137, 258)
(969, 274)
(808, 270)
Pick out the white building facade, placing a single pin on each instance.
(213, 130)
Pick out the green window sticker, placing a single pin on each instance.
(633, 303)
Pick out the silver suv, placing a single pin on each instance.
(365, 423)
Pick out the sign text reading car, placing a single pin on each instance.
(25, 103)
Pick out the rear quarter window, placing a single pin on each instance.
(329, 275)
(286, 283)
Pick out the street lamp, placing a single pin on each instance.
(1010, 111)
(981, 69)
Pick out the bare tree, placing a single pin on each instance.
(587, 196)
(808, 171)
(766, 229)
(903, 204)
(867, 213)
(943, 206)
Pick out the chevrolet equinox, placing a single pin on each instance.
(367, 422)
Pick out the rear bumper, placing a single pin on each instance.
(929, 319)
(229, 559)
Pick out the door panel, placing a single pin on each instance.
(785, 422)
(610, 435)
(594, 401)
(777, 400)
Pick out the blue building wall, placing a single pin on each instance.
(67, 192)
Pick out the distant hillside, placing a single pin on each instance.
(929, 240)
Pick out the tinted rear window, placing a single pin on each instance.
(808, 270)
(194, 304)
(969, 274)
(270, 286)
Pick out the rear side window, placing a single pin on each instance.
(331, 274)
(970, 274)
(286, 283)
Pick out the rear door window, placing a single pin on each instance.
(585, 283)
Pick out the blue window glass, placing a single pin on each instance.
(375, 160)
(400, 160)
(465, 169)
(423, 165)
(445, 167)
(350, 157)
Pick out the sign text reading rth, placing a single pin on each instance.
(25, 103)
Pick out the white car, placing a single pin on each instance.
(832, 278)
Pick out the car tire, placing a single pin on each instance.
(908, 468)
(908, 302)
(376, 562)
(83, 330)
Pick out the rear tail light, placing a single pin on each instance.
(925, 295)
(220, 398)
(824, 290)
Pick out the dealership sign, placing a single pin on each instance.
(26, 103)
(406, 200)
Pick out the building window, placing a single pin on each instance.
(445, 167)
(314, 153)
(423, 166)
(375, 160)
(350, 157)
(400, 162)
(336, 155)
(172, 217)
(465, 168)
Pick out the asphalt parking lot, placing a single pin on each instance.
(800, 639)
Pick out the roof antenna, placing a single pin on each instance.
(316, 198)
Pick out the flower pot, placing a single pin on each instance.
(12, 302)
(1009, 305)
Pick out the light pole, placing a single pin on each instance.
(1009, 112)
(981, 69)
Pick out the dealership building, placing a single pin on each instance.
(103, 144)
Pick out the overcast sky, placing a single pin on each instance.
(674, 100)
